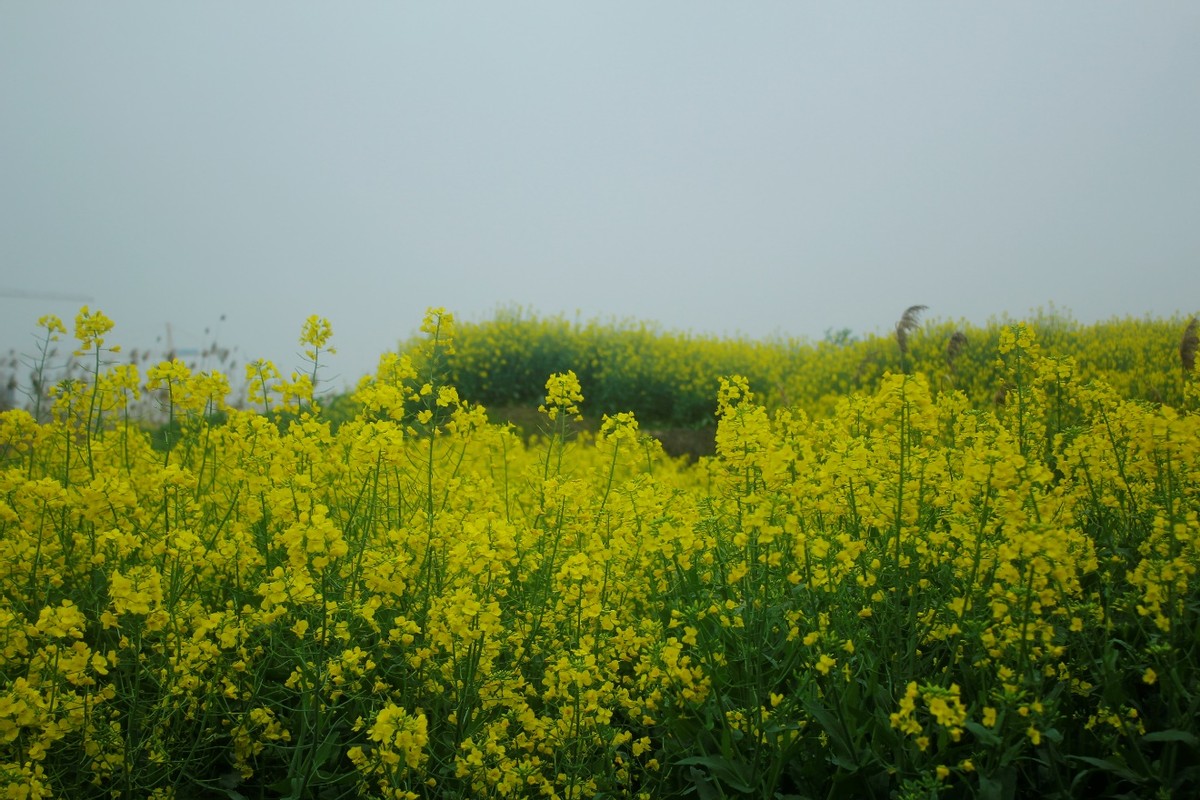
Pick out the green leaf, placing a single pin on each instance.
(990, 789)
(702, 784)
(1002, 786)
(843, 752)
(983, 734)
(1110, 766)
(1172, 735)
(732, 773)
(286, 788)
(328, 749)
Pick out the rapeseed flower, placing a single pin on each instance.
(90, 330)
(563, 396)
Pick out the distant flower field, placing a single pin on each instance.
(670, 378)
(913, 569)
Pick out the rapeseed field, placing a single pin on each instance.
(970, 574)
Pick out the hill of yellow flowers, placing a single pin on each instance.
(670, 379)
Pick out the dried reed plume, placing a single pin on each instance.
(1189, 344)
(907, 324)
(957, 343)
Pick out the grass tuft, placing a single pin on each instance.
(1188, 345)
(907, 324)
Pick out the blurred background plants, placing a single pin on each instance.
(669, 379)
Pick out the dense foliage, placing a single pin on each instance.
(912, 595)
(671, 378)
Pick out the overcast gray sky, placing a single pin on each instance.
(762, 168)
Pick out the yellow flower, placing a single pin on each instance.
(53, 326)
(135, 593)
(947, 708)
(316, 333)
(401, 734)
(563, 395)
(90, 328)
(262, 378)
(64, 622)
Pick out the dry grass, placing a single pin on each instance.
(954, 347)
(907, 324)
(1189, 344)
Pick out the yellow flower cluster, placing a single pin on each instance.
(943, 705)
(563, 396)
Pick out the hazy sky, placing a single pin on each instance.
(762, 168)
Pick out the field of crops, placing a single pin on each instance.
(671, 378)
(934, 570)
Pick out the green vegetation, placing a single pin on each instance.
(669, 379)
